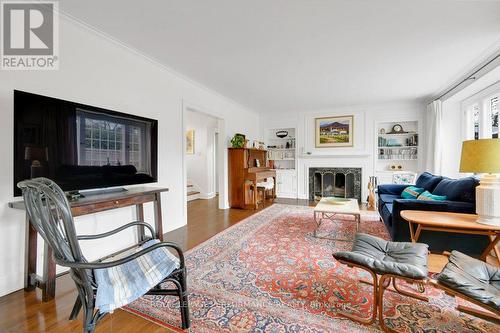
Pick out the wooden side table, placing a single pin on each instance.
(452, 222)
(135, 196)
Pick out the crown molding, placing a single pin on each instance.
(90, 28)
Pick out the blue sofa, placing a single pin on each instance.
(460, 195)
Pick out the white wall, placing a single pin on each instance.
(361, 155)
(98, 71)
(200, 165)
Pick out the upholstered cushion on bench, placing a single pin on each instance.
(473, 278)
(383, 257)
(123, 284)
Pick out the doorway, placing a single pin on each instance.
(216, 162)
(205, 157)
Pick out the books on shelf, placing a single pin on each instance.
(281, 154)
(411, 141)
(402, 153)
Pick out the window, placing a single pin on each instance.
(494, 117)
(476, 121)
(482, 115)
(106, 140)
(134, 145)
(103, 143)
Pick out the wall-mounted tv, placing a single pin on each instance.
(81, 146)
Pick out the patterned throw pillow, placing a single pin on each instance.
(428, 196)
(412, 192)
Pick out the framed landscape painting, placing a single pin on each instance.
(190, 142)
(334, 132)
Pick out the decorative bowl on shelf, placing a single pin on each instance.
(282, 134)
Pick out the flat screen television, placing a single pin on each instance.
(81, 146)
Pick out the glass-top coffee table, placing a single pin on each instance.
(328, 207)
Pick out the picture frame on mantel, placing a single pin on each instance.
(334, 132)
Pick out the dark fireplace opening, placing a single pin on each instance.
(334, 182)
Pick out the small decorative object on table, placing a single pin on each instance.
(483, 156)
(337, 201)
(396, 167)
(257, 163)
(404, 178)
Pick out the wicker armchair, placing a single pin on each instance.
(50, 214)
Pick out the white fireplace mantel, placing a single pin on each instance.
(345, 155)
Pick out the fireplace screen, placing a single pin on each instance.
(334, 182)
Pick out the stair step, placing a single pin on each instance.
(190, 185)
(193, 192)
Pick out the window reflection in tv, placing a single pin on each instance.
(80, 146)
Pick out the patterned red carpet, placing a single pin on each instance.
(268, 274)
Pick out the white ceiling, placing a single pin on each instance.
(279, 55)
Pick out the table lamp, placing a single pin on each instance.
(483, 156)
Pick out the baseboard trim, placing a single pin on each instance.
(207, 196)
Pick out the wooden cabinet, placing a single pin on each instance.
(286, 183)
(246, 166)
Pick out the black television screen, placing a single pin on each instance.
(81, 146)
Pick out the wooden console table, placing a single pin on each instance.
(452, 222)
(136, 196)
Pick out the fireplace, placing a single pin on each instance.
(334, 182)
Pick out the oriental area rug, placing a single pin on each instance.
(269, 274)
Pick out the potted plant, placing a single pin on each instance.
(238, 141)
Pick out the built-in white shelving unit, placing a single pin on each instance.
(397, 148)
(282, 152)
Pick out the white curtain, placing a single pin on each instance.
(434, 144)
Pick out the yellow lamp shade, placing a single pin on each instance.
(481, 156)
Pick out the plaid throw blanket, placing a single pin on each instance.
(121, 285)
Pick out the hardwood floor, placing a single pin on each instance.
(25, 312)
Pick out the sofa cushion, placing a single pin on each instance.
(388, 198)
(463, 189)
(431, 197)
(474, 278)
(411, 192)
(428, 181)
(398, 258)
(391, 189)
